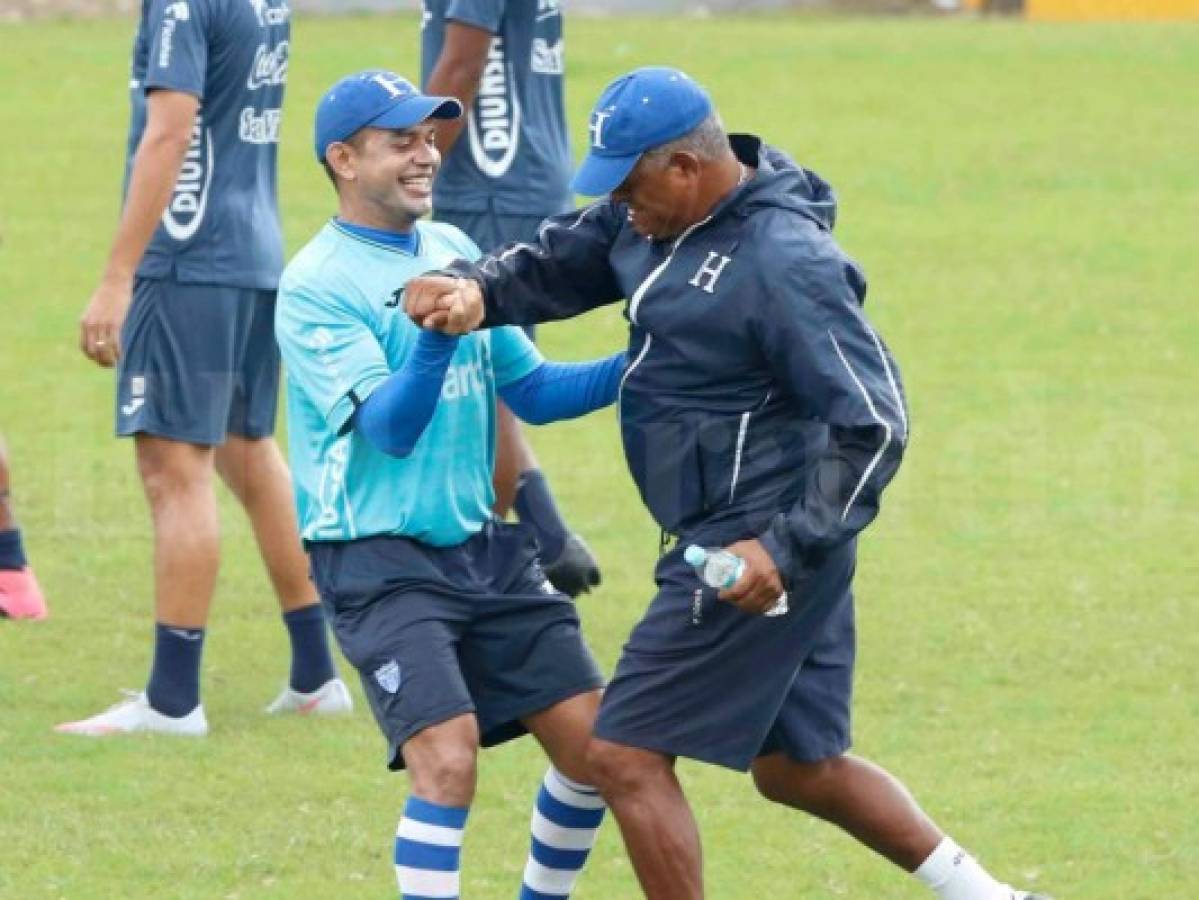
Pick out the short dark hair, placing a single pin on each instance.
(355, 141)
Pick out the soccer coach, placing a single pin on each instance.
(760, 411)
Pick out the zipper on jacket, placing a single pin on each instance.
(649, 339)
(635, 302)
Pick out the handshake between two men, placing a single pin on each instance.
(444, 303)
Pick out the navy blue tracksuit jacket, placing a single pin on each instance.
(757, 401)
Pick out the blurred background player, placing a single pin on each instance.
(508, 172)
(185, 307)
(20, 596)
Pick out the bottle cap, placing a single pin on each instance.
(695, 555)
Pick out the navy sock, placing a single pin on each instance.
(12, 554)
(535, 506)
(311, 662)
(174, 688)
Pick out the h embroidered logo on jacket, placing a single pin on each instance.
(708, 273)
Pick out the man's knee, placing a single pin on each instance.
(617, 769)
(448, 779)
(441, 764)
(248, 465)
(171, 468)
(798, 784)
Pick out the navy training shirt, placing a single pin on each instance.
(513, 156)
(222, 223)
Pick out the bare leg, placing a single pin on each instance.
(659, 830)
(20, 595)
(857, 796)
(255, 472)
(177, 479)
(564, 732)
(568, 811)
(7, 520)
(441, 761)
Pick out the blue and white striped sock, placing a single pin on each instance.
(565, 822)
(427, 851)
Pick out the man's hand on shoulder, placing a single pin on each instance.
(444, 303)
(760, 585)
(100, 324)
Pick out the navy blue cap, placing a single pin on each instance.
(644, 109)
(375, 98)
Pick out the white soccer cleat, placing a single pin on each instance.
(136, 714)
(331, 699)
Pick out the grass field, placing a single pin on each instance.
(1024, 199)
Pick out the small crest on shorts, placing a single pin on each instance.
(388, 676)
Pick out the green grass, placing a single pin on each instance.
(1025, 202)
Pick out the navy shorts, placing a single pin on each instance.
(698, 678)
(489, 229)
(436, 632)
(198, 362)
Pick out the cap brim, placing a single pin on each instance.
(414, 110)
(598, 175)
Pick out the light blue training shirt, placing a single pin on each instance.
(342, 331)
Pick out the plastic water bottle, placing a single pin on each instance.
(716, 568)
(721, 569)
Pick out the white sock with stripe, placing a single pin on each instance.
(427, 850)
(565, 821)
(953, 874)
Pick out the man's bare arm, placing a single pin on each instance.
(456, 74)
(169, 120)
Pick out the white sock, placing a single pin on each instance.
(565, 821)
(428, 847)
(953, 874)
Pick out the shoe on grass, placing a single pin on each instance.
(136, 714)
(330, 699)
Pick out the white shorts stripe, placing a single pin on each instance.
(424, 833)
(560, 837)
(427, 883)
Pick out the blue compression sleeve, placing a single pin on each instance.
(395, 415)
(556, 391)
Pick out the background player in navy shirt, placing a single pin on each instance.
(185, 309)
(507, 167)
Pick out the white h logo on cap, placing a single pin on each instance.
(596, 128)
(393, 84)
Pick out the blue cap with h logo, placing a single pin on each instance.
(375, 98)
(644, 109)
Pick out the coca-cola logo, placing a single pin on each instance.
(270, 66)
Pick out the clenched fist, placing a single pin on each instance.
(446, 304)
